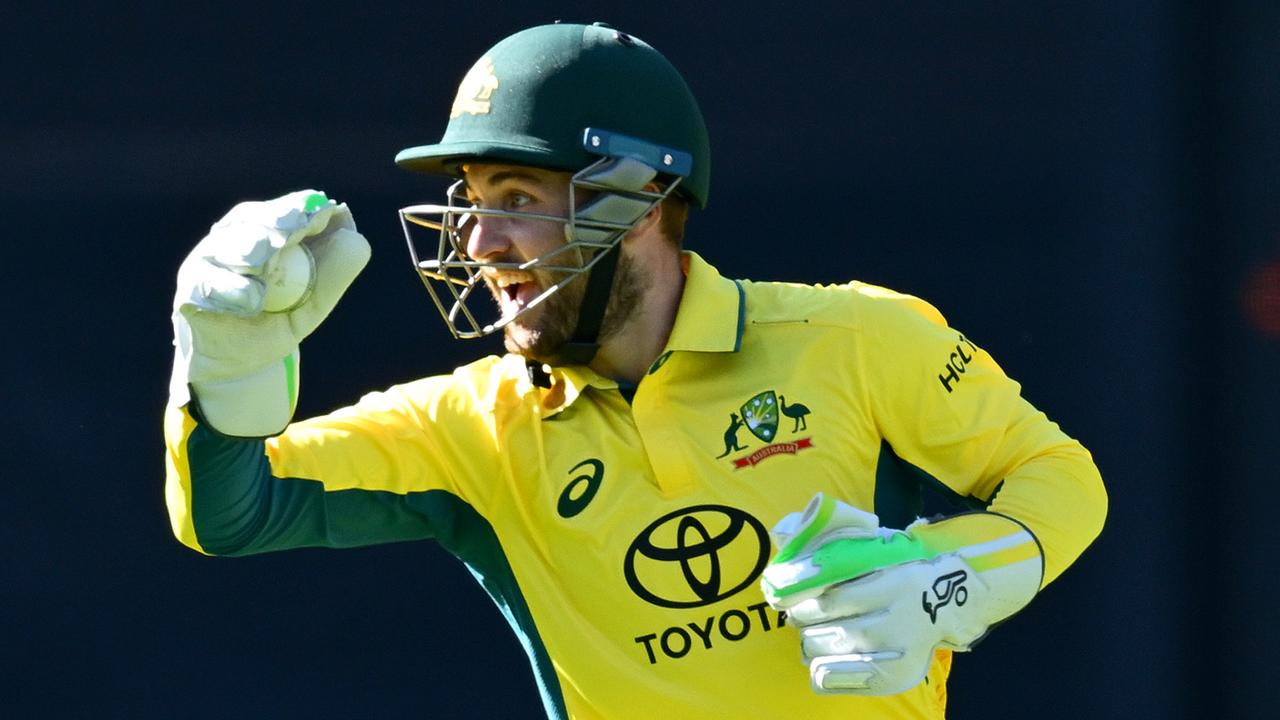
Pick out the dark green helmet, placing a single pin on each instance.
(530, 98)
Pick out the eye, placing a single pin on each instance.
(517, 200)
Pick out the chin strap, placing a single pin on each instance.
(582, 347)
(620, 203)
(538, 374)
(619, 181)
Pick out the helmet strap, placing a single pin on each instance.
(582, 347)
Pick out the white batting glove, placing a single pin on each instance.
(872, 604)
(235, 339)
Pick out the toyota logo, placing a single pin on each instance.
(696, 556)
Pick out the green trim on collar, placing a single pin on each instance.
(742, 315)
(712, 312)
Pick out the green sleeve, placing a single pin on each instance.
(224, 500)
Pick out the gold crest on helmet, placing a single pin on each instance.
(475, 89)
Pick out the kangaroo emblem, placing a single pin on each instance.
(731, 436)
(796, 412)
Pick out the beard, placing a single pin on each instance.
(541, 333)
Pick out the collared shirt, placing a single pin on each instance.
(624, 540)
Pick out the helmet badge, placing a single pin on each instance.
(475, 89)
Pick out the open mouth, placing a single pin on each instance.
(513, 291)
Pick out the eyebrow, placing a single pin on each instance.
(505, 175)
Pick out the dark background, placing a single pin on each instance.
(1087, 189)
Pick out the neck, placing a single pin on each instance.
(627, 354)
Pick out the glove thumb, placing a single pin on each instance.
(340, 254)
(822, 520)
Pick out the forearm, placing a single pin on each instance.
(218, 488)
(1060, 498)
(225, 499)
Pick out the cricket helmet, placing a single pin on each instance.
(529, 98)
(584, 99)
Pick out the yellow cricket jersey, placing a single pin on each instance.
(623, 535)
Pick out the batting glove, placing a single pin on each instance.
(872, 604)
(240, 360)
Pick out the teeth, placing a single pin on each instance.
(505, 281)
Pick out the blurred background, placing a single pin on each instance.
(1087, 189)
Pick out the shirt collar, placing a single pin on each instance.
(710, 318)
(712, 310)
(567, 383)
(510, 384)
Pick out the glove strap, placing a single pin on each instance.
(986, 542)
(986, 550)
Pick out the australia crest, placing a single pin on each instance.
(761, 415)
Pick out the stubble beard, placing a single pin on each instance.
(541, 334)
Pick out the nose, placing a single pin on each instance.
(485, 237)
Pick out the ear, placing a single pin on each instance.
(651, 220)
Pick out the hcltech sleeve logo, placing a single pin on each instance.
(761, 416)
(957, 363)
(694, 557)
